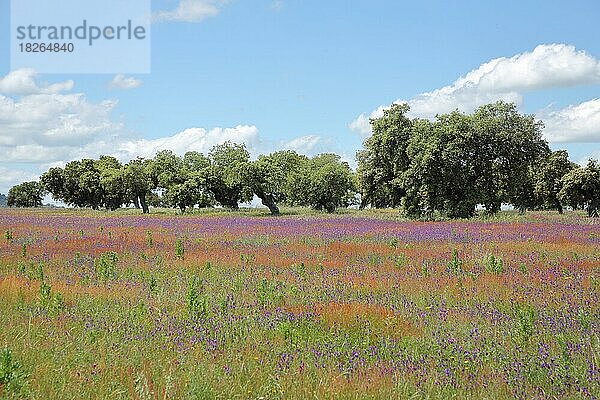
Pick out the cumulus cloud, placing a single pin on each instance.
(23, 82)
(303, 144)
(121, 81)
(11, 177)
(44, 125)
(54, 119)
(547, 66)
(192, 139)
(575, 123)
(191, 11)
(38, 122)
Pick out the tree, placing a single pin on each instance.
(384, 159)
(548, 178)
(53, 182)
(226, 176)
(167, 173)
(506, 145)
(114, 190)
(442, 171)
(581, 188)
(3, 200)
(137, 179)
(27, 194)
(269, 177)
(323, 183)
(197, 167)
(78, 184)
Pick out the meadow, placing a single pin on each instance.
(306, 306)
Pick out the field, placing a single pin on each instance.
(239, 305)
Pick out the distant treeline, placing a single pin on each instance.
(427, 169)
(3, 200)
(226, 177)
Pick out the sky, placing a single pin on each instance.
(307, 75)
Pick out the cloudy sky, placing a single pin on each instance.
(307, 75)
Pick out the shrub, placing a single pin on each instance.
(13, 378)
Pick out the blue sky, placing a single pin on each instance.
(306, 75)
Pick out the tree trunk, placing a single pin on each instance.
(593, 208)
(269, 202)
(136, 202)
(558, 206)
(145, 209)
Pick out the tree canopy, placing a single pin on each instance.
(457, 162)
(26, 194)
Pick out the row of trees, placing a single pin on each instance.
(226, 177)
(451, 165)
(446, 167)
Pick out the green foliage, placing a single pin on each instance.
(197, 300)
(106, 266)
(581, 188)
(226, 176)
(449, 166)
(53, 303)
(149, 239)
(270, 177)
(455, 265)
(179, 249)
(385, 158)
(494, 265)
(324, 182)
(27, 194)
(548, 178)
(523, 268)
(525, 317)
(400, 260)
(137, 179)
(13, 377)
(443, 168)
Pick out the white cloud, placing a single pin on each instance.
(54, 119)
(39, 123)
(11, 177)
(362, 123)
(121, 81)
(575, 123)
(23, 82)
(191, 11)
(42, 127)
(303, 144)
(547, 66)
(192, 139)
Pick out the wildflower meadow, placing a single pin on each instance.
(246, 306)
